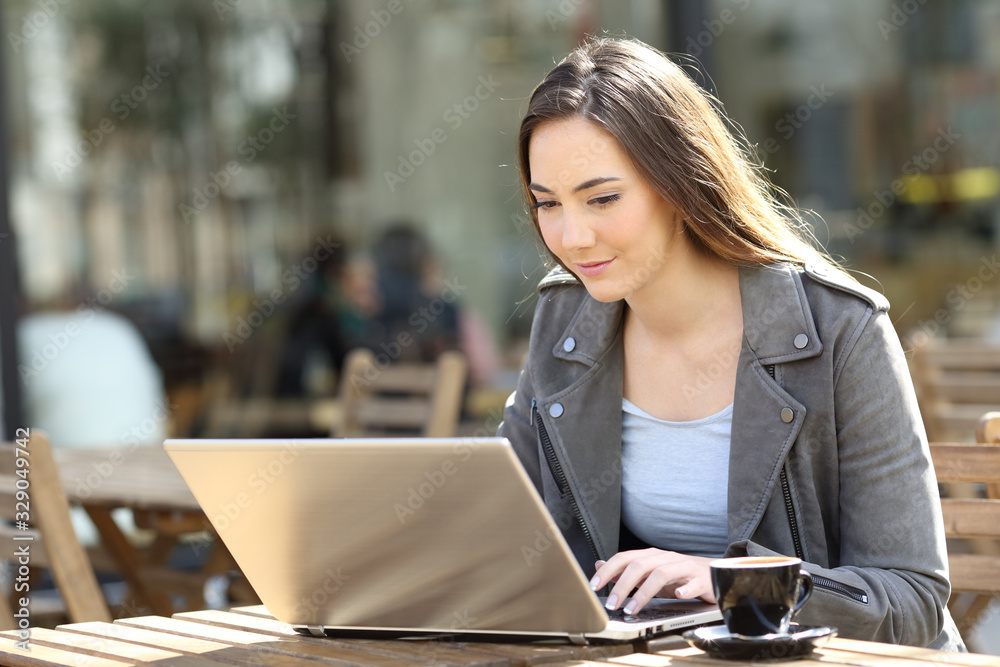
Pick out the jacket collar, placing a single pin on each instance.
(777, 322)
(591, 332)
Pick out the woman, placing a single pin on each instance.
(701, 381)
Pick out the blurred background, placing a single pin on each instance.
(180, 160)
(243, 189)
(224, 196)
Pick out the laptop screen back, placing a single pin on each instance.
(425, 534)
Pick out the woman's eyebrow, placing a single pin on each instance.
(586, 185)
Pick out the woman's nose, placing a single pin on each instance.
(577, 232)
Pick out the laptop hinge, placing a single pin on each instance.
(578, 639)
(316, 630)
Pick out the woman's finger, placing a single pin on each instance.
(631, 577)
(698, 587)
(608, 571)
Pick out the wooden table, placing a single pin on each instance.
(144, 480)
(249, 636)
(137, 477)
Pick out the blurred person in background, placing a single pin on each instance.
(412, 305)
(333, 316)
(89, 381)
(419, 315)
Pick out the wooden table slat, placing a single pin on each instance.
(474, 653)
(643, 660)
(226, 619)
(661, 643)
(464, 653)
(43, 656)
(912, 653)
(362, 651)
(252, 610)
(221, 652)
(480, 654)
(136, 635)
(198, 630)
(595, 653)
(112, 649)
(834, 657)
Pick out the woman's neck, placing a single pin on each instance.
(694, 294)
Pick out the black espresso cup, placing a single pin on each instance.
(758, 595)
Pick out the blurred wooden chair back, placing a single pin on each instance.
(35, 517)
(988, 432)
(956, 382)
(972, 523)
(401, 398)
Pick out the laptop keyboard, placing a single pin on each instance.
(646, 614)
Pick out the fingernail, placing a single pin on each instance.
(594, 583)
(630, 608)
(681, 592)
(612, 602)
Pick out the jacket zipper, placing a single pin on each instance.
(856, 594)
(792, 523)
(560, 477)
(786, 492)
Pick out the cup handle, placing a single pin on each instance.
(805, 589)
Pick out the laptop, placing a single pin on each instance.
(404, 537)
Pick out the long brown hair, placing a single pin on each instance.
(677, 140)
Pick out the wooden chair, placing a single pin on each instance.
(239, 390)
(400, 398)
(988, 432)
(971, 519)
(34, 488)
(956, 382)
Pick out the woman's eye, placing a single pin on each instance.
(544, 205)
(605, 200)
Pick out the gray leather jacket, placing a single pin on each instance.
(829, 459)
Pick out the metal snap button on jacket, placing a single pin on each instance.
(569, 344)
(786, 415)
(556, 410)
(801, 341)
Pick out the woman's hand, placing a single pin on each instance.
(656, 573)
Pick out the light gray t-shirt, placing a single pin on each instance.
(675, 480)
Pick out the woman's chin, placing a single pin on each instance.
(604, 293)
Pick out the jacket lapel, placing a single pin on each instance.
(584, 419)
(777, 328)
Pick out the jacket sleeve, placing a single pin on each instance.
(892, 546)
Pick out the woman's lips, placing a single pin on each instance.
(594, 268)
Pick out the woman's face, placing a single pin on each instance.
(595, 212)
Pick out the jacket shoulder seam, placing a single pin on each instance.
(852, 343)
(828, 277)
